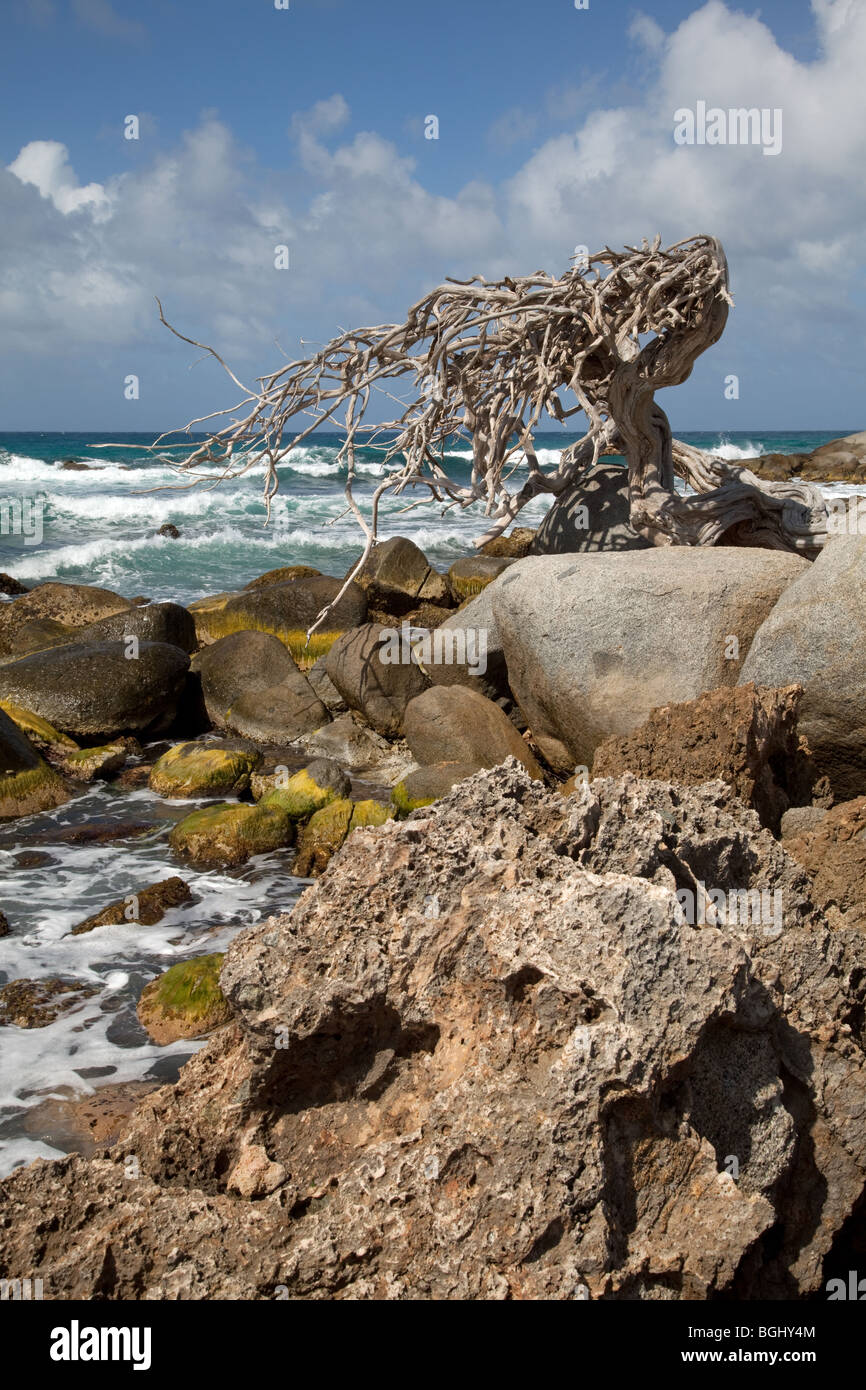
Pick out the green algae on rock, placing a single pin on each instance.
(185, 1001)
(87, 764)
(326, 831)
(37, 729)
(425, 785)
(469, 575)
(203, 769)
(27, 784)
(231, 832)
(306, 791)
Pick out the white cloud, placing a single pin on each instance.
(45, 164)
(647, 32)
(199, 224)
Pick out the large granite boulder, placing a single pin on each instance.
(591, 515)
(815, 635)
(594, 642)
(152, 622)
(91, 689)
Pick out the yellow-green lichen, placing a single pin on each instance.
(197, 770)
(300, 797)
(35, 727)
(185, 1000)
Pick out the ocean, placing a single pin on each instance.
(99, 526)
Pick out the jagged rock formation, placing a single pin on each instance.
(487, 1056)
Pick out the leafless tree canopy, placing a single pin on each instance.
(491, 362)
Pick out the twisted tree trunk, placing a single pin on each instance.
(488, 362)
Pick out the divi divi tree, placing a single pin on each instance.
(493, 362)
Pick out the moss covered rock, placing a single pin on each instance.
(230, 833)
(27, 784)
(473, 573)
(425, 785)
(307, 791)
(203, 769)
(88, 764)
(516, 544)
(206, 611)
(287, 611)
(40, 733)
(325, 831)
(185, 1001)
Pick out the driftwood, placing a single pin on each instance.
(490, 362)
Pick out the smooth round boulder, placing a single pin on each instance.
(280, 714)
(235, 665)
(92, 689)
(456, 725)
(373, 669)
(286, 574)
(816, 636)
(594, 642)
(156, 622)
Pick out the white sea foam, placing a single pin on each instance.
(732, 453)
(100, 1036)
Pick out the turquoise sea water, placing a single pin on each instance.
(99, 526)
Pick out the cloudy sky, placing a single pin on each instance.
(305, 126)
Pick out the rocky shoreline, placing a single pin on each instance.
(575, 997)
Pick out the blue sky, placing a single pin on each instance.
(306, 126)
